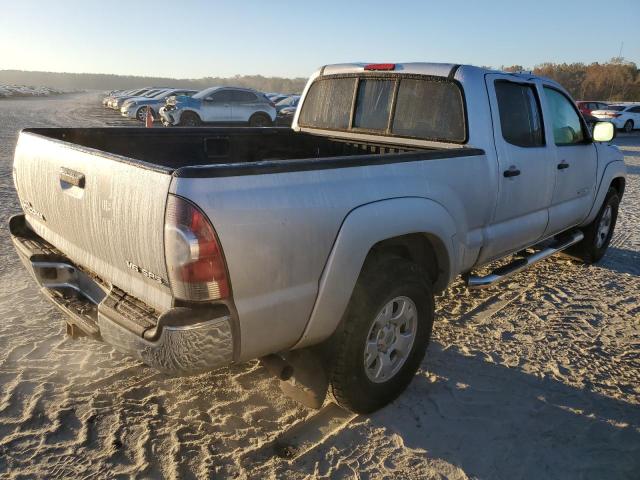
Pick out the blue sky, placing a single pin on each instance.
(192, 39)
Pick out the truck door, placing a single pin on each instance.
(216, 108)
(525, 181)
(576, 161)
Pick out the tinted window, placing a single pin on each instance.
(520, 117)
(373, 104)
(635, 110)
(243, 97)
(429, 109)
(328, 103)
(567, 128)
(615, 108)
(221, 96)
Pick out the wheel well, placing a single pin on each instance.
(618, 183)
(421, 248)
(189, 112)
(261, 114)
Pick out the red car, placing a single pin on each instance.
(586, 107)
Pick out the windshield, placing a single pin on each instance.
(289, 101)
(204, 93)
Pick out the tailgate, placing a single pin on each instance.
(105, 212)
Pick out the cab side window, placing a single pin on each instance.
(567, 128)
(520, 117)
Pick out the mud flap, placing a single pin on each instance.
(302, 376)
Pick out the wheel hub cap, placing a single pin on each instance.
(390, 339)
(603, 227)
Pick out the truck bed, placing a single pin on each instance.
(177, 149)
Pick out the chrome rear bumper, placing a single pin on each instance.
(181, 340)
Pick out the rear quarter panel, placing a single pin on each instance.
(277, 230)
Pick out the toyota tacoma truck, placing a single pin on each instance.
(318, 248)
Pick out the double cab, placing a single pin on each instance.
(317, 248)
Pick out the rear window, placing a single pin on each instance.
(427, 108)
(328, 104)
(373, 104)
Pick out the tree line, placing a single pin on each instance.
(97, 81)
(617, 80)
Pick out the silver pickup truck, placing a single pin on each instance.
(318, 248)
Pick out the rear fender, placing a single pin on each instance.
(364, 227)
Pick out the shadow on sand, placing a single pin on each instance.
(622, 261)
(498, 422)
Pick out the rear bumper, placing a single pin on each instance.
(180, 341)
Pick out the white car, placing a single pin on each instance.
(136, 107)
(625, 116)
(221, 105)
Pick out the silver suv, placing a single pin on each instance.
(220, 105)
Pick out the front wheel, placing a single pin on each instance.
(384, 335)
(597, 235)
(190, 119)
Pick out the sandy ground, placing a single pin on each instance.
(537, 378)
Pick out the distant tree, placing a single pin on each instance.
(616, 80)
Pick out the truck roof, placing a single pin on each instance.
(426, 68)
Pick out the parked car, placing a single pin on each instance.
(137, 107)
(285, 116)
(290, 101)
(586, 107)
(127, 93)
(117, 102)
(112, 95)
(221, 105)
(319, 248)
(625, 116)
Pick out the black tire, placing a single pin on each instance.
(260, 120)
(141, 114)
(380, 282)
(628, 126)
(594, 244)
(190, 119)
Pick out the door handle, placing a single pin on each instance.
(72, 177)
(562, 165)
(512, 172)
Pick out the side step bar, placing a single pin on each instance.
(475, 282)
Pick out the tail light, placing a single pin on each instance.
(195, 262)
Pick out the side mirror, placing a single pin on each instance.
(603, 132)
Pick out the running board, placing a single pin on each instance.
(499, 274)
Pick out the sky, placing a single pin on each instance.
(194, 39)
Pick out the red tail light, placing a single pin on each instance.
(380, 66)
(195, 262)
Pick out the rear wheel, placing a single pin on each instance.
(628, 126)
(260, 120)
(598, 233)
(384, 335)
(190, 119)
